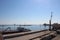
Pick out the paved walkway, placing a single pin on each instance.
(27, 37)
(57, 37)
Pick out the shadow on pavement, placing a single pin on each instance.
(50, 37)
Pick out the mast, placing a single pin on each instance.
(50, 21)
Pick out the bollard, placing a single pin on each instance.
(1, 37)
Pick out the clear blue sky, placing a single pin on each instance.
(29, 11)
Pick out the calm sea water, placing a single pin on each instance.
(33, 27)
(36, 27)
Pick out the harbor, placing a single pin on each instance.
(29, 19)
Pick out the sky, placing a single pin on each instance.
(29, 11)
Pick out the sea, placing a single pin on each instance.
(32, 27)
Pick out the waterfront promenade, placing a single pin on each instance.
(57, 37)
(37, 35)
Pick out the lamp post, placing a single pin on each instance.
(50, 22)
